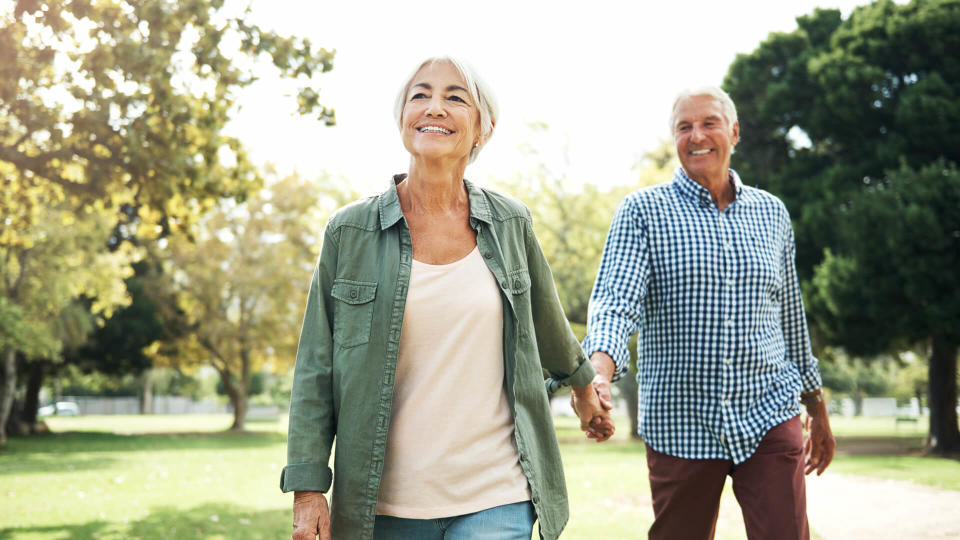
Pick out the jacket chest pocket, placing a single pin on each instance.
(517, 287)
(353, 311)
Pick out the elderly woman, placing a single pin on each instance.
(431, 314)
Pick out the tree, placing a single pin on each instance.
(829, 111)
(895, 283)
(242, 280)
(117, 108)
(43, 271)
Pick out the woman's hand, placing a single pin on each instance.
(311, 516)
(592, 403)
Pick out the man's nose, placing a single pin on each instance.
(696, 134)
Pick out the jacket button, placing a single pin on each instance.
(488, 255)
(504, 284)
(535, 499)
(516, 284)
(353, 293)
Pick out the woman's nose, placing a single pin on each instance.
(435, 109)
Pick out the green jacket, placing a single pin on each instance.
(347, 358)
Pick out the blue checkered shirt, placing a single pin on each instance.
(723, 351)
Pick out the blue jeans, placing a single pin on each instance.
(507, 522)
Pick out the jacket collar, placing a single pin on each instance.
(696, 193)
(390, 212)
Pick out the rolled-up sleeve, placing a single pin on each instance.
(794, 322)
(560, 352)
(616, 311)
(312, 424)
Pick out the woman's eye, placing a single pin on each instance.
(457, 98)
(419, 95)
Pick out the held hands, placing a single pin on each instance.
(593, 404)
(820, 444)
(311, 516)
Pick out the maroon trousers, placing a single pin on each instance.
(769, 487)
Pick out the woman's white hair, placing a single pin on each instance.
(479, 91)
(726, 104)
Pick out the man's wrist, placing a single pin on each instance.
(603, 364)
(812, 400)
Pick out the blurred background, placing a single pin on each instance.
(167, 169)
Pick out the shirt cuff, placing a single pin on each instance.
(810, 379)
(583, 375)
(621, 356)
(306, 477)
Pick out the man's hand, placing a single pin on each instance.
(593, 409)
(311, 516)
(599, 427)
(820, 444)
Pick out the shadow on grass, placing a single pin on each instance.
(46, 463)
(82, 531)
(41, 453)
(96, 441)
(205, 521)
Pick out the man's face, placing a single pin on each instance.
(703, 137)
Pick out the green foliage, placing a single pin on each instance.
(851, 376)
(896, 280)
(126, 100)
(111, 129)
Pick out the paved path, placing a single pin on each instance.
(842, 507)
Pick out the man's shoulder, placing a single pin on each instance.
(650, 196)
(764, 199)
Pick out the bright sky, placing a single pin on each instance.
(602, 75)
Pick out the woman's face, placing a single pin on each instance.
(440, 120)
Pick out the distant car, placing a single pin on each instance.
(64, 408)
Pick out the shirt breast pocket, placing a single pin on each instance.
(352, 311)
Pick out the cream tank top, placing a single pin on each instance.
(450, 448)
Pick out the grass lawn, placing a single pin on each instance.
(183, 477)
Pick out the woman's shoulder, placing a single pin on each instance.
(362, 213)
(504, 206)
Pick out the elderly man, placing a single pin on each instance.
(703, 267)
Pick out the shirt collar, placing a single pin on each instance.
(692, 190)
(390, 212)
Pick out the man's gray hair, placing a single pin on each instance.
(726, 104)
(481, 93)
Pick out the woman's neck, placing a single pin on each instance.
(432, 187)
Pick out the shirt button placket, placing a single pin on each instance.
(727, 310)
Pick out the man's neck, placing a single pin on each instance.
(720, 186)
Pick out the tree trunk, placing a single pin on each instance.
(8, 383)
(146, 395)
(628, 389)
(239, 410)
(31, 402)
(237, 391)
(944, 434)
(857, 403)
